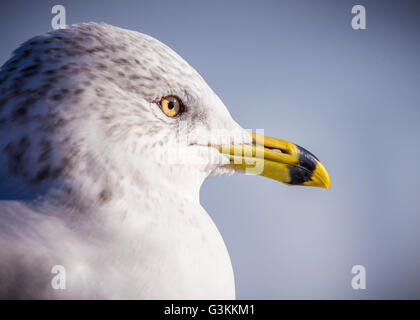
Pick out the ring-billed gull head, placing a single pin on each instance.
(82, 111)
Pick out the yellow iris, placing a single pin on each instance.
(171, 106)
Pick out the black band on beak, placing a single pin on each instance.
(306, 167)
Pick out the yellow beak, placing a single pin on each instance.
(277, 159)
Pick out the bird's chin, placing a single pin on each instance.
(221, 171)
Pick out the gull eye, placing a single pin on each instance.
(171, 106)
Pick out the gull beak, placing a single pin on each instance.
(277, 159)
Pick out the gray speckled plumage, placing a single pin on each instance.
(86, 180)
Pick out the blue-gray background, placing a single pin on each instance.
(299, 71)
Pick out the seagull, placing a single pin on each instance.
(106, 136)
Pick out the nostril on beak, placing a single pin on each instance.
(277, 150)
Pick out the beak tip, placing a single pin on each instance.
(320, 178)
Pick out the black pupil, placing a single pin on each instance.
(171, 105)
